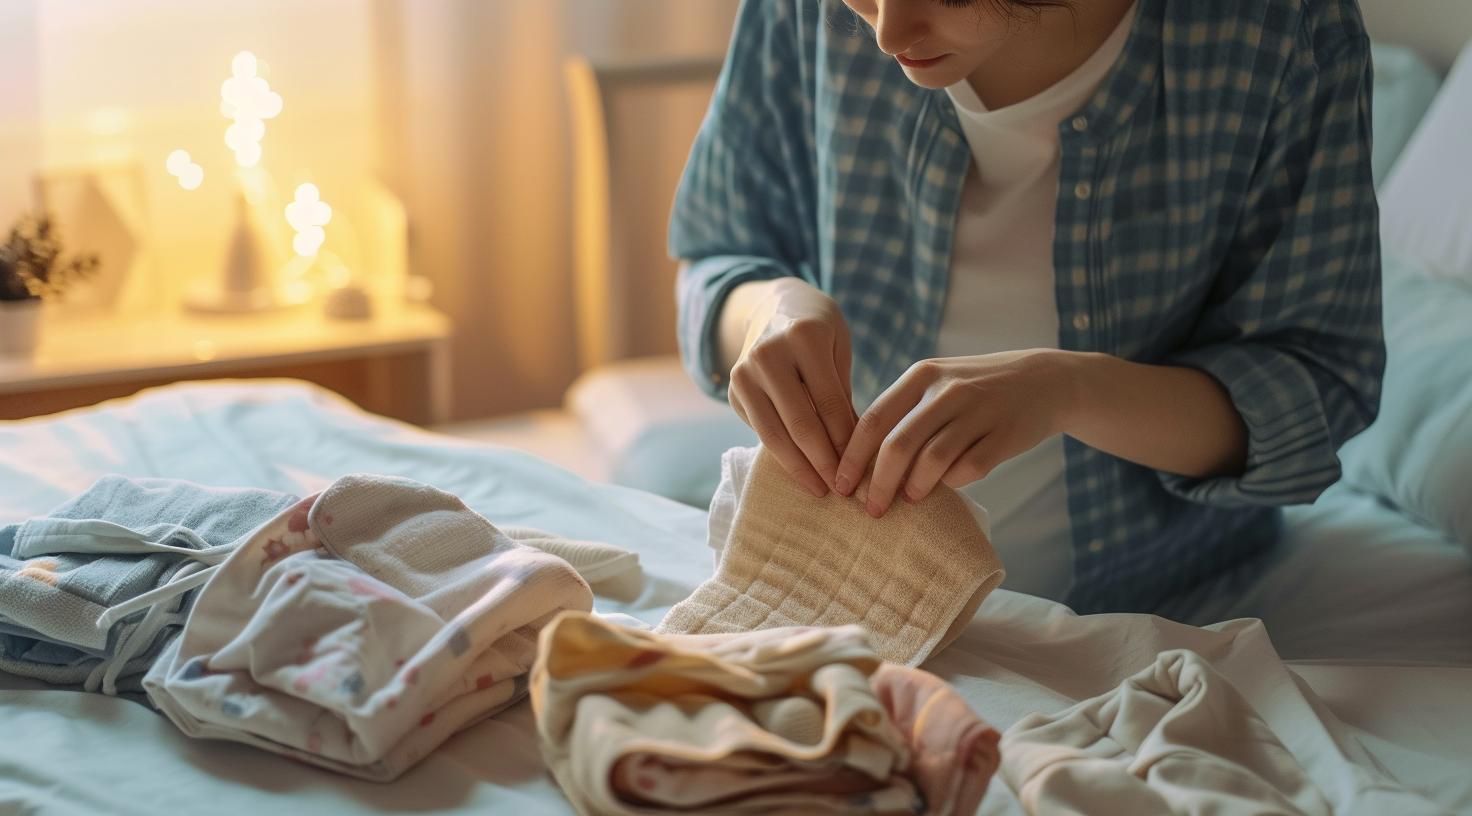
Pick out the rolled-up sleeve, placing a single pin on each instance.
(741, 212)
(1293, 328)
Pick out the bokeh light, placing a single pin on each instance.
(182, 167)
(308, 214)
(247, 100)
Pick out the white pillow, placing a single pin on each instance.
(658, 431)
(1418, 453)
(1426, 203)
(1405, 86)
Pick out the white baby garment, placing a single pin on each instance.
(913, 579)
(361, 635)
(1176, 738)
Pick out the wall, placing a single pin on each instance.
(20, 106)
(475, 132)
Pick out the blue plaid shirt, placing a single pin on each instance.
(1215, 210)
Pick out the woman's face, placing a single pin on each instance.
(937, 42)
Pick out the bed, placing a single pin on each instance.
(1394, 682)
(1353, 639)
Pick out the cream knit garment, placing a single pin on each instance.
(913, 579)
(359, 631)
(777, 721)
(1176, 738)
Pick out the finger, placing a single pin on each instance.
(872, 428)
(831, 401)
(843, 363)
(773, 433)
(734, 398)
(936, 458)
(795, 406)
(899, 451)
(978, 461)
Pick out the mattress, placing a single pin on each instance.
(1379, 658)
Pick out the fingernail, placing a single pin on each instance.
(910, 497)
(843, 485)
(875, 510)
(820, 490)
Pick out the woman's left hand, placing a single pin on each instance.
(953, 420)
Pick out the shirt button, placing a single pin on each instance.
(1080, 123)
(1081, 322)
(1083, 189)
(1096, 546)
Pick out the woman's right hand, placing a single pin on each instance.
(791, 383)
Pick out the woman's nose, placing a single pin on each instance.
(898, 26)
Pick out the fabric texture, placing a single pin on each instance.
(1216, 210)
(774, 721)
(912, 579)
(1176, 738)
(70, 581)
(360, 633)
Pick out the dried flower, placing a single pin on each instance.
(31, 265)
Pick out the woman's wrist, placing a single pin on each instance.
(1072, 374)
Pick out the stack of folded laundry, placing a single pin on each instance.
(355, 630)
(72, 583)
(361, 633)
(786, 720)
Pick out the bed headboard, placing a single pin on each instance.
(1436, 29)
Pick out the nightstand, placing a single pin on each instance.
(396, 364)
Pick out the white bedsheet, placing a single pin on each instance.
(69, 752)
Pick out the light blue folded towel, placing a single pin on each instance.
(121, 538)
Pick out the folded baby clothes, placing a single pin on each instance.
(913, 579)
(360, 635)
(91, 593)
(1175, 738)
(774, 721)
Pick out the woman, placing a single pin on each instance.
(1109, 267)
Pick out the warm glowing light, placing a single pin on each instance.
(308, 214)
(248, 100)
(183, 168)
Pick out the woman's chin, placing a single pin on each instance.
(933, 78)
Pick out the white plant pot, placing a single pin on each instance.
(20, 327)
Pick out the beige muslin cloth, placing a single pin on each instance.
(1175, 738)
(800, 721)
(913, 579)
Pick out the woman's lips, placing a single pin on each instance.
(914, 63)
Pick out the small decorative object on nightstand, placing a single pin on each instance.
(31, 268)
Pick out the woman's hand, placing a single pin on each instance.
(791, 381)
(953, 420)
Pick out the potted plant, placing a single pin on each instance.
(31, 268)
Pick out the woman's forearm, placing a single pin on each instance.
(1169, 418)
(736, 313)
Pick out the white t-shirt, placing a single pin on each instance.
(1001, 298)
